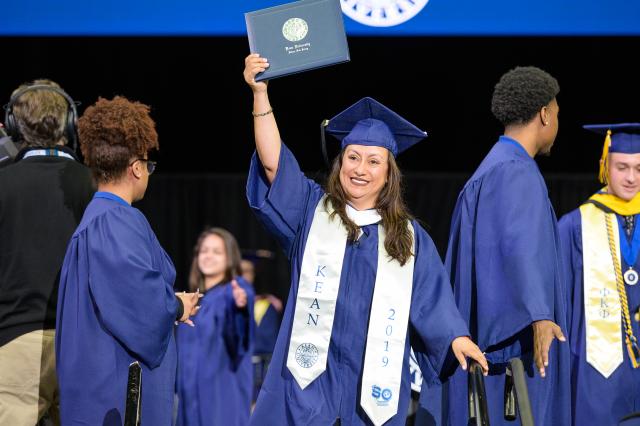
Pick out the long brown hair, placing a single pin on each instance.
(390, 206)
(196, 278)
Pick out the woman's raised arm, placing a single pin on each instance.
(265, 127)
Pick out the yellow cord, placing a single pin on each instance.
(630, 339)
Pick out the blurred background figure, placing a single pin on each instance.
(214, 358)
(267, 315)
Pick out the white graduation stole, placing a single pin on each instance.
(602, 309)
(388, 324)
(315, 310)
(317, 294)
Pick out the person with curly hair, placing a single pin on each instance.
(504, 256)
(116, 302)
(367, 283)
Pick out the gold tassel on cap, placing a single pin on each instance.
(604, 161)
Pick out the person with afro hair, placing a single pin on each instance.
(116, 303)
(504, 257)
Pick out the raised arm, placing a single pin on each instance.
(264, 123)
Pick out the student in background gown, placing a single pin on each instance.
(267, 314)
(605, 354)
(215, 374)
(342, 354)
(116, 303)
(504, 257)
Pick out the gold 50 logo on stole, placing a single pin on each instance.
(382, 13)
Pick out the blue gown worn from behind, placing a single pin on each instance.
(596, 400)
(286, 208)
(215, 374)
(267, 330)
(116, 305)
(504, 261)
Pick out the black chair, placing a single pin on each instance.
(133, 402)
(630, 420)
(516, 394)
(477, 397)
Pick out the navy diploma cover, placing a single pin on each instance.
(298, 36)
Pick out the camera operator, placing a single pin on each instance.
(42, 198)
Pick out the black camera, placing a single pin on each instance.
(8, 149)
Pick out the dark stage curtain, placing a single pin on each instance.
(180, 206)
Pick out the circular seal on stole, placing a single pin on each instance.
(631, 277)
(306, 355)
(382, 13)
(295, 29)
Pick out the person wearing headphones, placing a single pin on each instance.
(42, 198)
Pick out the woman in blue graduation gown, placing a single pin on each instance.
(215, 375)
(116, 303)
(504, 257)
(605, 376)
(342, 354)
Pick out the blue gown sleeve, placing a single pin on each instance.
(134, 302)
(514, 259)
(239, 328)
(434, 318)
(281, 205)
(570, 231)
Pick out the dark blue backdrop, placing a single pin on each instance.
(226, 17)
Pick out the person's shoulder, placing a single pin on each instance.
(77, 165)
(109, 214)
(570, 220)
(38, 171)
(504, 173)
(497, 161)
(12, 170)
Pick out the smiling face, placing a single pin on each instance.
(212, 257)
(624, 175)
(363, 174)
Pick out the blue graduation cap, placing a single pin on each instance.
(368, 122)
(623, 138)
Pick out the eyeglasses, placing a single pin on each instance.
(151, 165)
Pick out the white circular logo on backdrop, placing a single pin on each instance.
(295, 29)
(382, 13)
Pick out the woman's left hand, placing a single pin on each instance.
(239, 294)
(464, 347)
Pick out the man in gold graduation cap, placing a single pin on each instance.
(600, 245)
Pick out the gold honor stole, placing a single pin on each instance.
(602, 308)
(315, 310)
